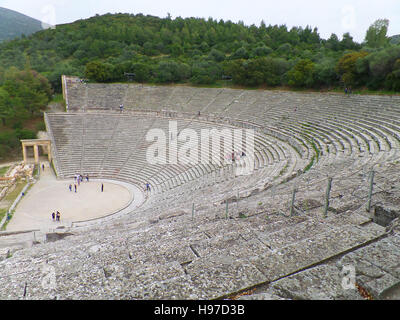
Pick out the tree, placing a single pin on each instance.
(273, 70)
(205, 72)
(376, 36)
(333, 42)
(1, 75)
(325, 73)
(6, 109)
(98, 71)
(107, 46)
(347, 67)
(240, 53)
(171, 71)
(54, 77)
(302, 74)
(216, 55)
(347, 42)
(379, 65)
(393, 79)
(28, 91)
(285, 48)
(255, 72)
(141, 71)
(262, 51)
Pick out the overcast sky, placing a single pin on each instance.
(339, 16)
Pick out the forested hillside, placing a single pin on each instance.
(199, 51)
(14, 24)
(395, 39)
(192, 50)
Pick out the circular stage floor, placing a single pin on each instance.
(50, 195)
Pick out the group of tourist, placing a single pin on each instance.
(236, 155)
(347, 90)
(56, 216)
(77, 182)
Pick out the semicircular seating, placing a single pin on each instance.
(240, 234)
(294, 131)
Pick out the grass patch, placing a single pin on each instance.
(15, 193)
(317, 152)
(58, 98)
(36, 171)
(310, 164)
(2, 213)
(3, 228)
(10, 198)
(242, 216)
(53, 167)
(3, 171)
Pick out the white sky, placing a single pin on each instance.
(339, 16)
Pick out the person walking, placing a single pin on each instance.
(75, 187)
(87, 178)
(102, 187)
(58, 216)
(53, 215)
(70, 187)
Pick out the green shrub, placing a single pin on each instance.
(41, 126)
(8, 138)
(25, 134)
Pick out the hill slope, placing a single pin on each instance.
(198, 51)
(13, 24)
(395, 39)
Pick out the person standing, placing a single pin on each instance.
(58, 216)
(70, 187)
(53, 215)
(102, 187)
(75, 187)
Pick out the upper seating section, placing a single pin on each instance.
(310, 129)
(115, 146)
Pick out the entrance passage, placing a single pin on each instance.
(36, 143)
